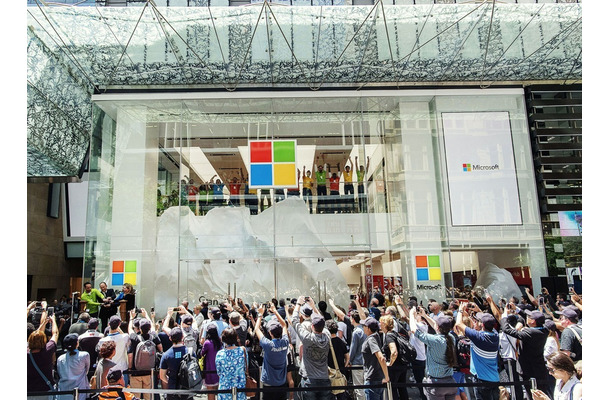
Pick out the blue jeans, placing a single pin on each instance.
(373, 394)
(316, 394)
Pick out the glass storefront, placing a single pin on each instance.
(171, 210)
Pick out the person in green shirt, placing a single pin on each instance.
(321, 177)
(93, 297)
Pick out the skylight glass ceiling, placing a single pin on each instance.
(73, 51)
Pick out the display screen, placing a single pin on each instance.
(481, 169)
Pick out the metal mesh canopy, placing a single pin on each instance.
(74, 51)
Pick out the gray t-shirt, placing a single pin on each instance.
(570, 342)
(372, 368)
(315, 351)
(101, 371)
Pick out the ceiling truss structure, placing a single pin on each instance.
(74, 52)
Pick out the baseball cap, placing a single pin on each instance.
(274, 328)
(569, 313)
(114, 322)
(550, 325)
(443, 322)
(93, 323)
(486, 319)
(536, 316)
(176, 334)
(371, 323)
(70, 341)
(317, 321)
(114, 374)
(306, 310)
(188, 320)
(215, 311)
(144, 324)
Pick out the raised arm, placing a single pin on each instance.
(360, 309)
(340, 314)
(257, 325)
(532, 298)
(494, 308)
(401, 307)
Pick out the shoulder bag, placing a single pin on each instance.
(251, 383)
(334, 374)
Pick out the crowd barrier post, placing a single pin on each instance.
(234, 393)
(76, 393)
(389, 389)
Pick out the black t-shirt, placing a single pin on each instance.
(340, 351)
(391, 337)
(134, 339)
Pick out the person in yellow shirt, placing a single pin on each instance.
(360, 174)
(348, 188)
(307, 186)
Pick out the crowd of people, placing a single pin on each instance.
(303, 343)
(319, 189)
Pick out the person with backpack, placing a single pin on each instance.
(190, 332)
(440, 356)
(142, 352)
(483, 352)
(171, 365)
(395, 356)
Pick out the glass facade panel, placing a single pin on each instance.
(375, 207)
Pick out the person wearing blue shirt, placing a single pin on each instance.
(484, 345)
(274, 353)
(355, 353)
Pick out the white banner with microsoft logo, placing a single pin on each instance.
(481, 169)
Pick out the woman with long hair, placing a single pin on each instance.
(211, 346)
(128, 293)
(396, 369)
(440, 356)
(72, 367)
(552, 341)
(41, 353)
(567, 384)
(231, 364)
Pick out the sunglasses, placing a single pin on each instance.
(551, 369)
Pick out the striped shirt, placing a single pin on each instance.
(436, 364)
(484, 354)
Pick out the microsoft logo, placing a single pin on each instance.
(478, 167)
(428, 268)
(273, 163)
(124, 271)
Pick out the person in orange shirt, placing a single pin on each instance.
(115, 381)
(335, 197)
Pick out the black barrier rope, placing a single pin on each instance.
(284, 389)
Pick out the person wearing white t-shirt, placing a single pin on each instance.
(122, 343)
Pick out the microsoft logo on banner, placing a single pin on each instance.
(124, 271)
(428, 268)
(273, 163)
(478, 167)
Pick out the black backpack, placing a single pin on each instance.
(406, 352)
(189, 374)
(463, 352)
